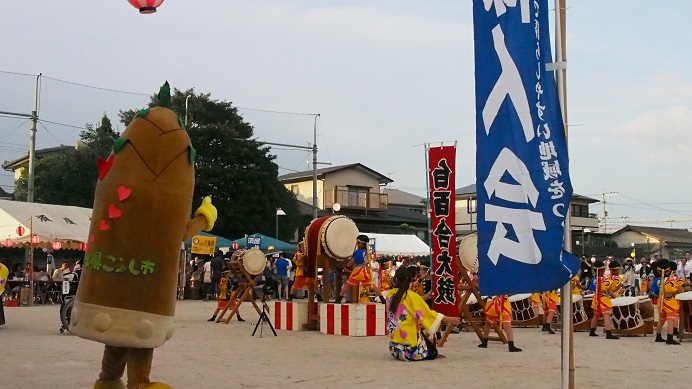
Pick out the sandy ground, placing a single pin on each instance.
(209, 355)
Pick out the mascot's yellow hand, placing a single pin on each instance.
(208, 211)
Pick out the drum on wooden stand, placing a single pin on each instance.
(646, 307)
(475, 307)
(468, 252)
(578, 313)
(625, 314)
(252, 260)
(338, 237)
(522, 307)
(685, 300)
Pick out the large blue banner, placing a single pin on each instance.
(522, 178)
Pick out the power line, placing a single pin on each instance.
(63, 124)
(18, 74)
(657, 207)
(48, 131)
(6, 134)
(271, 111)
(96, 87)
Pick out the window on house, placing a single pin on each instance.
(580, 210)
(472, 206)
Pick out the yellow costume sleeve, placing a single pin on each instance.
(428, 318)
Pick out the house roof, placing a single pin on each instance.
(668, 235)
(301, 176)
(4, 195)
(471, 190)
(399, 197)
(15, 164)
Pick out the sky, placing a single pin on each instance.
(385, 76)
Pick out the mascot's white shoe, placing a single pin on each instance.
(116, 384)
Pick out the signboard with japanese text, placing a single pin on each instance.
(441, 164)
(253, 242)
(205, 245)
(522, 176)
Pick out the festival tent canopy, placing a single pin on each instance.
(399, 245)
(266, 242)
(67, 224)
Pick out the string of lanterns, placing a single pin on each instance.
(57, 245)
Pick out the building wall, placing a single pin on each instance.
(303, 191)
(352, 177)
(465, 221)
(626, 238)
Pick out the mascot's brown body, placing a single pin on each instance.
(126, 297)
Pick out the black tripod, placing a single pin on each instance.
(260, 323)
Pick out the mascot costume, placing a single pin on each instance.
(142, 205)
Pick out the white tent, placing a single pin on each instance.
(395, 245)
(66, 224)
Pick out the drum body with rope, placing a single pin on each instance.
(252, 260)
(468, 252)
(625, 314)
(578, 312)
(330, 236)
(475, 307)
(522, 307)
(685, 300)
(646, 307)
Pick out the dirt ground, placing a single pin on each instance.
(202, 354)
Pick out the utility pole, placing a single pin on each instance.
(605, 211)
(32, 147)
(314, 169)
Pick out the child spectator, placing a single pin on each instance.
(226, 288)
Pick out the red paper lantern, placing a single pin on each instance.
(35, 239)
(146, 6)
(20, 231)
(8, 242)
(57, 245)
(235, 246)
(83, 246)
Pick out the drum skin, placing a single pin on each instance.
(468, 252)
(254, 261)
(338, 237)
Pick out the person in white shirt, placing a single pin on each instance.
(57, 274)
(685, 268)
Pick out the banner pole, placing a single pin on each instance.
(428, 206)
(567, 348)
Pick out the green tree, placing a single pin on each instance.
(69, 177)
(235, 170)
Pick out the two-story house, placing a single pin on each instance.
(361, 195)
(467, 214)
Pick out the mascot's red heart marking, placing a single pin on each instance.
(104, 166)
(92, 238)
(113, 212)
(103, 226)
(123, 192)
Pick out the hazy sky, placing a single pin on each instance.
(385, 76)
